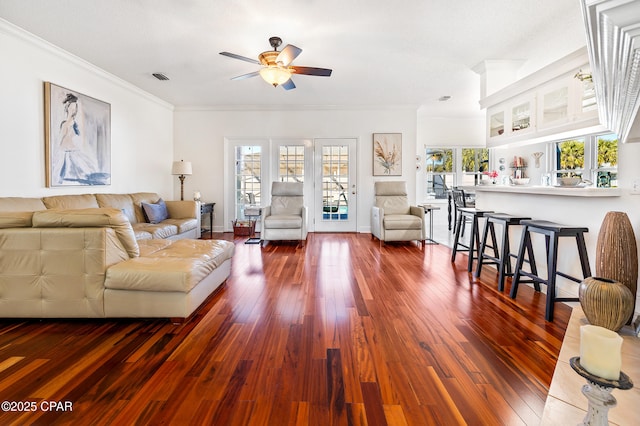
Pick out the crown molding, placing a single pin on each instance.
(18, 33)
(249, 108)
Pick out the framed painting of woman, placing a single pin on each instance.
(77, 138)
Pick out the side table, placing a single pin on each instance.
(207, 208)
(429, 209)
(253, 213)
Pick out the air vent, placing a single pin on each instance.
(444, 98)
(160, 76)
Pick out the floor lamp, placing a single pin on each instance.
(182, 169)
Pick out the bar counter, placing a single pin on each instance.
(564, 191)
(571, 206)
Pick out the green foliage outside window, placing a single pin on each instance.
(439, 160)
(475, 159)
(607, 152)
(571, 154)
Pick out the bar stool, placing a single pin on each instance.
(552, 232)
(472, 214)
(502, 259)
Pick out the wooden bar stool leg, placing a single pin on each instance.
(524, 242)
(456, 238)
(552, 266)
(584, 258)
(505, 258)
(474, 242)
(483, 246)
(532, 263)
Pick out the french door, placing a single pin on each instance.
(335, 185)
(326, 167)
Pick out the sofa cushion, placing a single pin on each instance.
(67, 202)
(15, 219)
(20, 204)
(147, 247)
(177, 268)
(141, 235)
(138, 198)
(122, 202)
(90, 218)
(155, 212)
(157, 230)
(402, 221)
(184, 225)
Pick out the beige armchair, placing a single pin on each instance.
(392, 218)
(286, 217)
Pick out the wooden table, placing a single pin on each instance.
(207, 208)
(566, 405)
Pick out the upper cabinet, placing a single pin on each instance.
(549, 102)
(613, 33)
(507, 119)
(567, 102)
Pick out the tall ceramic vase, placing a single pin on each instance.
(617, 253)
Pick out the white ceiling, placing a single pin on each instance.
(383, 53)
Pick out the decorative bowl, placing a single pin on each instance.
(519, 181)
(569, 181)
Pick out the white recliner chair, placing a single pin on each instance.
(392, 218)
(286, 217)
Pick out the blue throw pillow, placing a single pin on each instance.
(155, 213)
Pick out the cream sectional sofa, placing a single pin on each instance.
(183, 221)
(88, 262)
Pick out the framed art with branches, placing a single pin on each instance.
(387, 154)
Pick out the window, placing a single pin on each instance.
(606, 173)
(439, 169)
(569, 158)
(291, 167)
(593, 158)
(449, 167)
(247, 177)
(475, 161)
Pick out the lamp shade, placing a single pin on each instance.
(181, 168)
(275, 75)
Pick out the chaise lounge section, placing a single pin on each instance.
(87, 263)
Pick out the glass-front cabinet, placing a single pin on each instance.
(555, 105)
(567, 100)
(510, 118)
(496, 124)
(537, 107)
(521, 117)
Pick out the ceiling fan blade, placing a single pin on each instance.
(288, 85)
(322, 72)
(288, 54)
(243, 76)
(242, 58)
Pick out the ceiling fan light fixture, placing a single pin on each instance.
(275, 75)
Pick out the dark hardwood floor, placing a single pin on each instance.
(341, 331)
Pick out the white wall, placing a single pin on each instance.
(199, 137)
(141, 125)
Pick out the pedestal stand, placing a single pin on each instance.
(598, 393)
(253, 214)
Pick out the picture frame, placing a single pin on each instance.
(77, 138)
(387, 154)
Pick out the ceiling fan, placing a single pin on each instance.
(277, 69)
